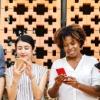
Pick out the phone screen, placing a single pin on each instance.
(60, 71)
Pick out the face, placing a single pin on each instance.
(71, 47)
(24, 50)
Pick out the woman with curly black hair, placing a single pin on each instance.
(73, 77)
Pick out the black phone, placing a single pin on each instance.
(97, 65)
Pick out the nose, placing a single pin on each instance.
(70, 47)
(23, 50)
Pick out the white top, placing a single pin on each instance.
(24, 91)
(85, 73)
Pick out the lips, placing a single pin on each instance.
(70, 52)
(23, 56)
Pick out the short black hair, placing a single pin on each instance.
(26, 38)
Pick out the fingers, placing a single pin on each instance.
(59, 79)
(27, 62)
(21, 66)
(70, 77)
(20, 62)
(28, 69)
(71, 81)
(19, 69)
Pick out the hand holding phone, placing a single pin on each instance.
(19, 62)
(61, 71)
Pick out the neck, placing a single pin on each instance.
(73, 61)
(74, 58)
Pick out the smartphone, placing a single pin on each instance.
(97, 65)
(60, 71)
(19, 62)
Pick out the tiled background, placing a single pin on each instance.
(40, 19)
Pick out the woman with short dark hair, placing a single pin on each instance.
(25, 80)
(73, 77)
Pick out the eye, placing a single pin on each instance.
(19, 48)
(26, 48)
(73, 43)
(65, 45)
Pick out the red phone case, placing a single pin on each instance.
(60, 71)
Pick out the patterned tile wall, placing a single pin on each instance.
(87, 14)
(38, 18)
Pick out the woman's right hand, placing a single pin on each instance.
(59, 79)
(18, 70)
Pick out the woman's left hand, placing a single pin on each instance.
(28, 69)
(71, 81)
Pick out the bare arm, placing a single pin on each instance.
(12, 88)
(53, 92)
(2, 82)
(39, 89)
(91, 90)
